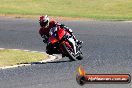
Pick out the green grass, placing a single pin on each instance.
(10, 57)
(96, 9)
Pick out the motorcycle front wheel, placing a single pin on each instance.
(80, 57)
(68, 53)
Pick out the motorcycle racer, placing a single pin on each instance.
(46, 25)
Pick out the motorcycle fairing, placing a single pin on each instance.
(52, 40)
(61, 33)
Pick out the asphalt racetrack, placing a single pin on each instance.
(107, 48)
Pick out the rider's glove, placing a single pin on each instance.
(62, 25)
(65, 27)
(45, 39)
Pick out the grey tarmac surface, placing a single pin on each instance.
(107, 48)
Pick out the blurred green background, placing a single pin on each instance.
(95, 9)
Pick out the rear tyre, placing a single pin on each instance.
(67, 52)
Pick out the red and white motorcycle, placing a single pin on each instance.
(62, 42)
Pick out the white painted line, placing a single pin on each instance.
(50, 58)
(14, 66)
(26, 50)
(127, 21)
(58, 56)
(34, 51)
(15, 49)
(1, 48)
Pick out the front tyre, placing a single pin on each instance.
(68, 53)
(80, 57)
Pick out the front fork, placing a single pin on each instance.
(72, 41)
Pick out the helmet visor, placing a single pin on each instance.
(43, 24)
